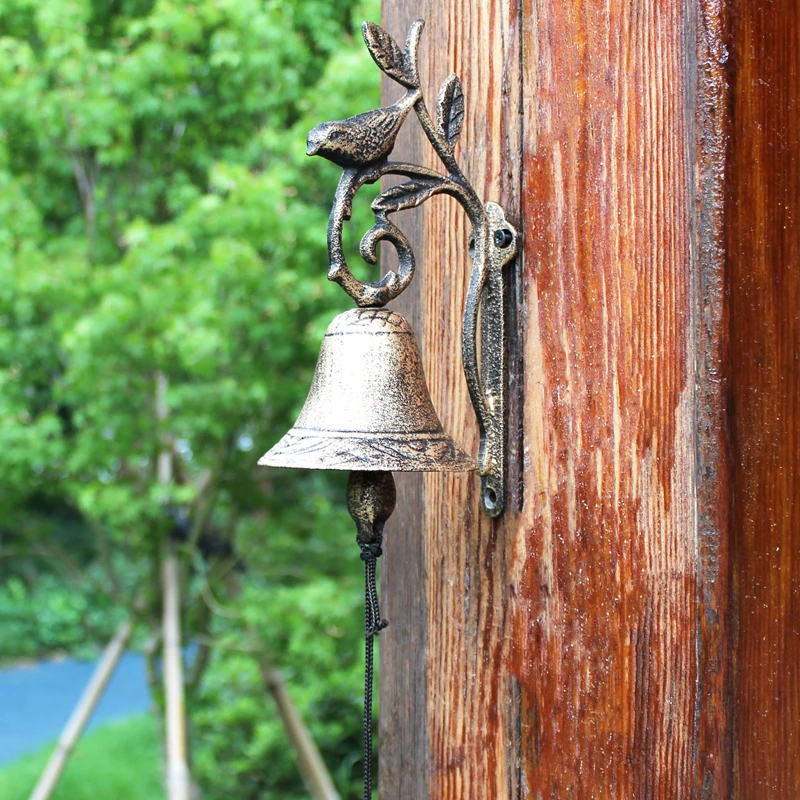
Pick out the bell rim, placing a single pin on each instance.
(338, 450)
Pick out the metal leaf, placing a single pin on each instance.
(450, 110)
(406, 195)
(412, 46)
(387, 55)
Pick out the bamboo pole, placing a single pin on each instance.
(82, 713)
(312, 768)
(178, 779)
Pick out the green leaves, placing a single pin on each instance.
(158, 215)
(154, 186)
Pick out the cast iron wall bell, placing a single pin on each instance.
(369, 409)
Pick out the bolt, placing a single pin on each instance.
(503, 238)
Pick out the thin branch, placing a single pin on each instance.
(150, 657)
(178, 778)
(86, 178)
(62, 558)
(206, 499)
(199, 666)
(312, 768)
(216, 606)
(203, 656)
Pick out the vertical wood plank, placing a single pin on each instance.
(620, 641)
(707, 72)
(764, 258)
(469, 702)
(403, 750)
(465, 694)
(580, 646)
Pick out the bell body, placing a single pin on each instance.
(369, 407)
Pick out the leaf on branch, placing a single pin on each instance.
(450, 110)
(388, 56)
(406, 195)
(412, 45)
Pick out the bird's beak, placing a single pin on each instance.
(315, 140)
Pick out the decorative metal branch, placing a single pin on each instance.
(361, 145)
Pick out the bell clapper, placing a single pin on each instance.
(371, 498)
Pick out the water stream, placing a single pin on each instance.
(36, 700)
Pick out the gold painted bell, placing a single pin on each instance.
(369, 408)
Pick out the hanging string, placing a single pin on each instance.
(373, 625)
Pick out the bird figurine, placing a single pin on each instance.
(364, 139)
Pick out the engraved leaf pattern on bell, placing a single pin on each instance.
(399, 454)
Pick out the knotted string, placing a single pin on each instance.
(373, 625)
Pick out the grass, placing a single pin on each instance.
(118, 761)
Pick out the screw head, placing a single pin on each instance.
(503, 238)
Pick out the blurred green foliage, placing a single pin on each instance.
(118, 760)
(313, 630)
(47, 615)
(158, 215)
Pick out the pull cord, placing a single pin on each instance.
(373, 625)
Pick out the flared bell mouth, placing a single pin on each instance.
(302, 448)
(369, 407)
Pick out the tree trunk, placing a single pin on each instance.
(618, 633)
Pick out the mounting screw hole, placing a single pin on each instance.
(490, 499)
(503, 238)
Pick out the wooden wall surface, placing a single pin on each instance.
(591, 642)
(764, 257)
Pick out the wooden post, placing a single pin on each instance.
(763, 249)
(82, 713)
(584, 645)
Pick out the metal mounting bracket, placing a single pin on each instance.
(483, 347)
(362, 145)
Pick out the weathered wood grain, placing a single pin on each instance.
(764, 259)
(466, 730)
(403, 750)
(620, 695)
(466, 553)
(582, 646)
